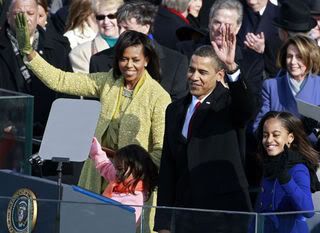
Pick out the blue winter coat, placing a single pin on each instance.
(277, 95)
(292, 196)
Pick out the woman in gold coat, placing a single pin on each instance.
(133, 102)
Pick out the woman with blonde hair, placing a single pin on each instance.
(81, 25)
(108, 33)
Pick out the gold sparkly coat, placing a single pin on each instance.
(142, 123)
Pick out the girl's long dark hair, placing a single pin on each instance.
(136, 161)
(134, 38)
(294, 125)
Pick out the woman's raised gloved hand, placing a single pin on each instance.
(23, 34)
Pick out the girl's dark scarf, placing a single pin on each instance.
(271, 164)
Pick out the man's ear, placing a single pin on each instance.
(220, 75)
(221, 78)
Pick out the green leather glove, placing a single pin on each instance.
(23, 34)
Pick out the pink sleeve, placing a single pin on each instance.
(102, 163)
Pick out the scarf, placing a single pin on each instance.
(271, 163)
(179, 14)
(24, 71)
(111, 41)
(125, 187)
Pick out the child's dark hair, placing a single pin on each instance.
(136, 161)
(294, 126)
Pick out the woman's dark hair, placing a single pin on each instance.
(44, 5)
(136, 161)
(134, 38)
(293, 125)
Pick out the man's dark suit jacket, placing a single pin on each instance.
(253, 23)
(54, 49)
(206, 170)
(173, 68)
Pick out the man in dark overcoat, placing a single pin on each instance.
(14, 74)
(201, 165)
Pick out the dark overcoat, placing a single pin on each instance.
(54, 49)
(206, 170)
(165, 27)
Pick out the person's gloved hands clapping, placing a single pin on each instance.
(276, 167)
(282, 173)
(23, 34)
(309, 124)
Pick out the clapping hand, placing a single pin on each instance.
(277, 167)
(23, 34)
(226, 52)
(309, 124)
(282, 173)
(255, 42)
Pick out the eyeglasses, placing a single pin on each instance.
(109, 16)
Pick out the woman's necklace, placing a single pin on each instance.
(127, 93)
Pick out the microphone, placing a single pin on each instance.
(35, 159)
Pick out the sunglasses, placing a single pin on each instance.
(109, 16)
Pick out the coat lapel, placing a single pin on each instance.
(180, 115)
(307, 93)
(214, 102)
(286, 97)
(110, 107)
(140, 92)
(100, 43)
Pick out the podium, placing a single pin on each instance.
(79, 210)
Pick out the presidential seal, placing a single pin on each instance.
(22, 211)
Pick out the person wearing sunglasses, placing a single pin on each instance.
(108, 33)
